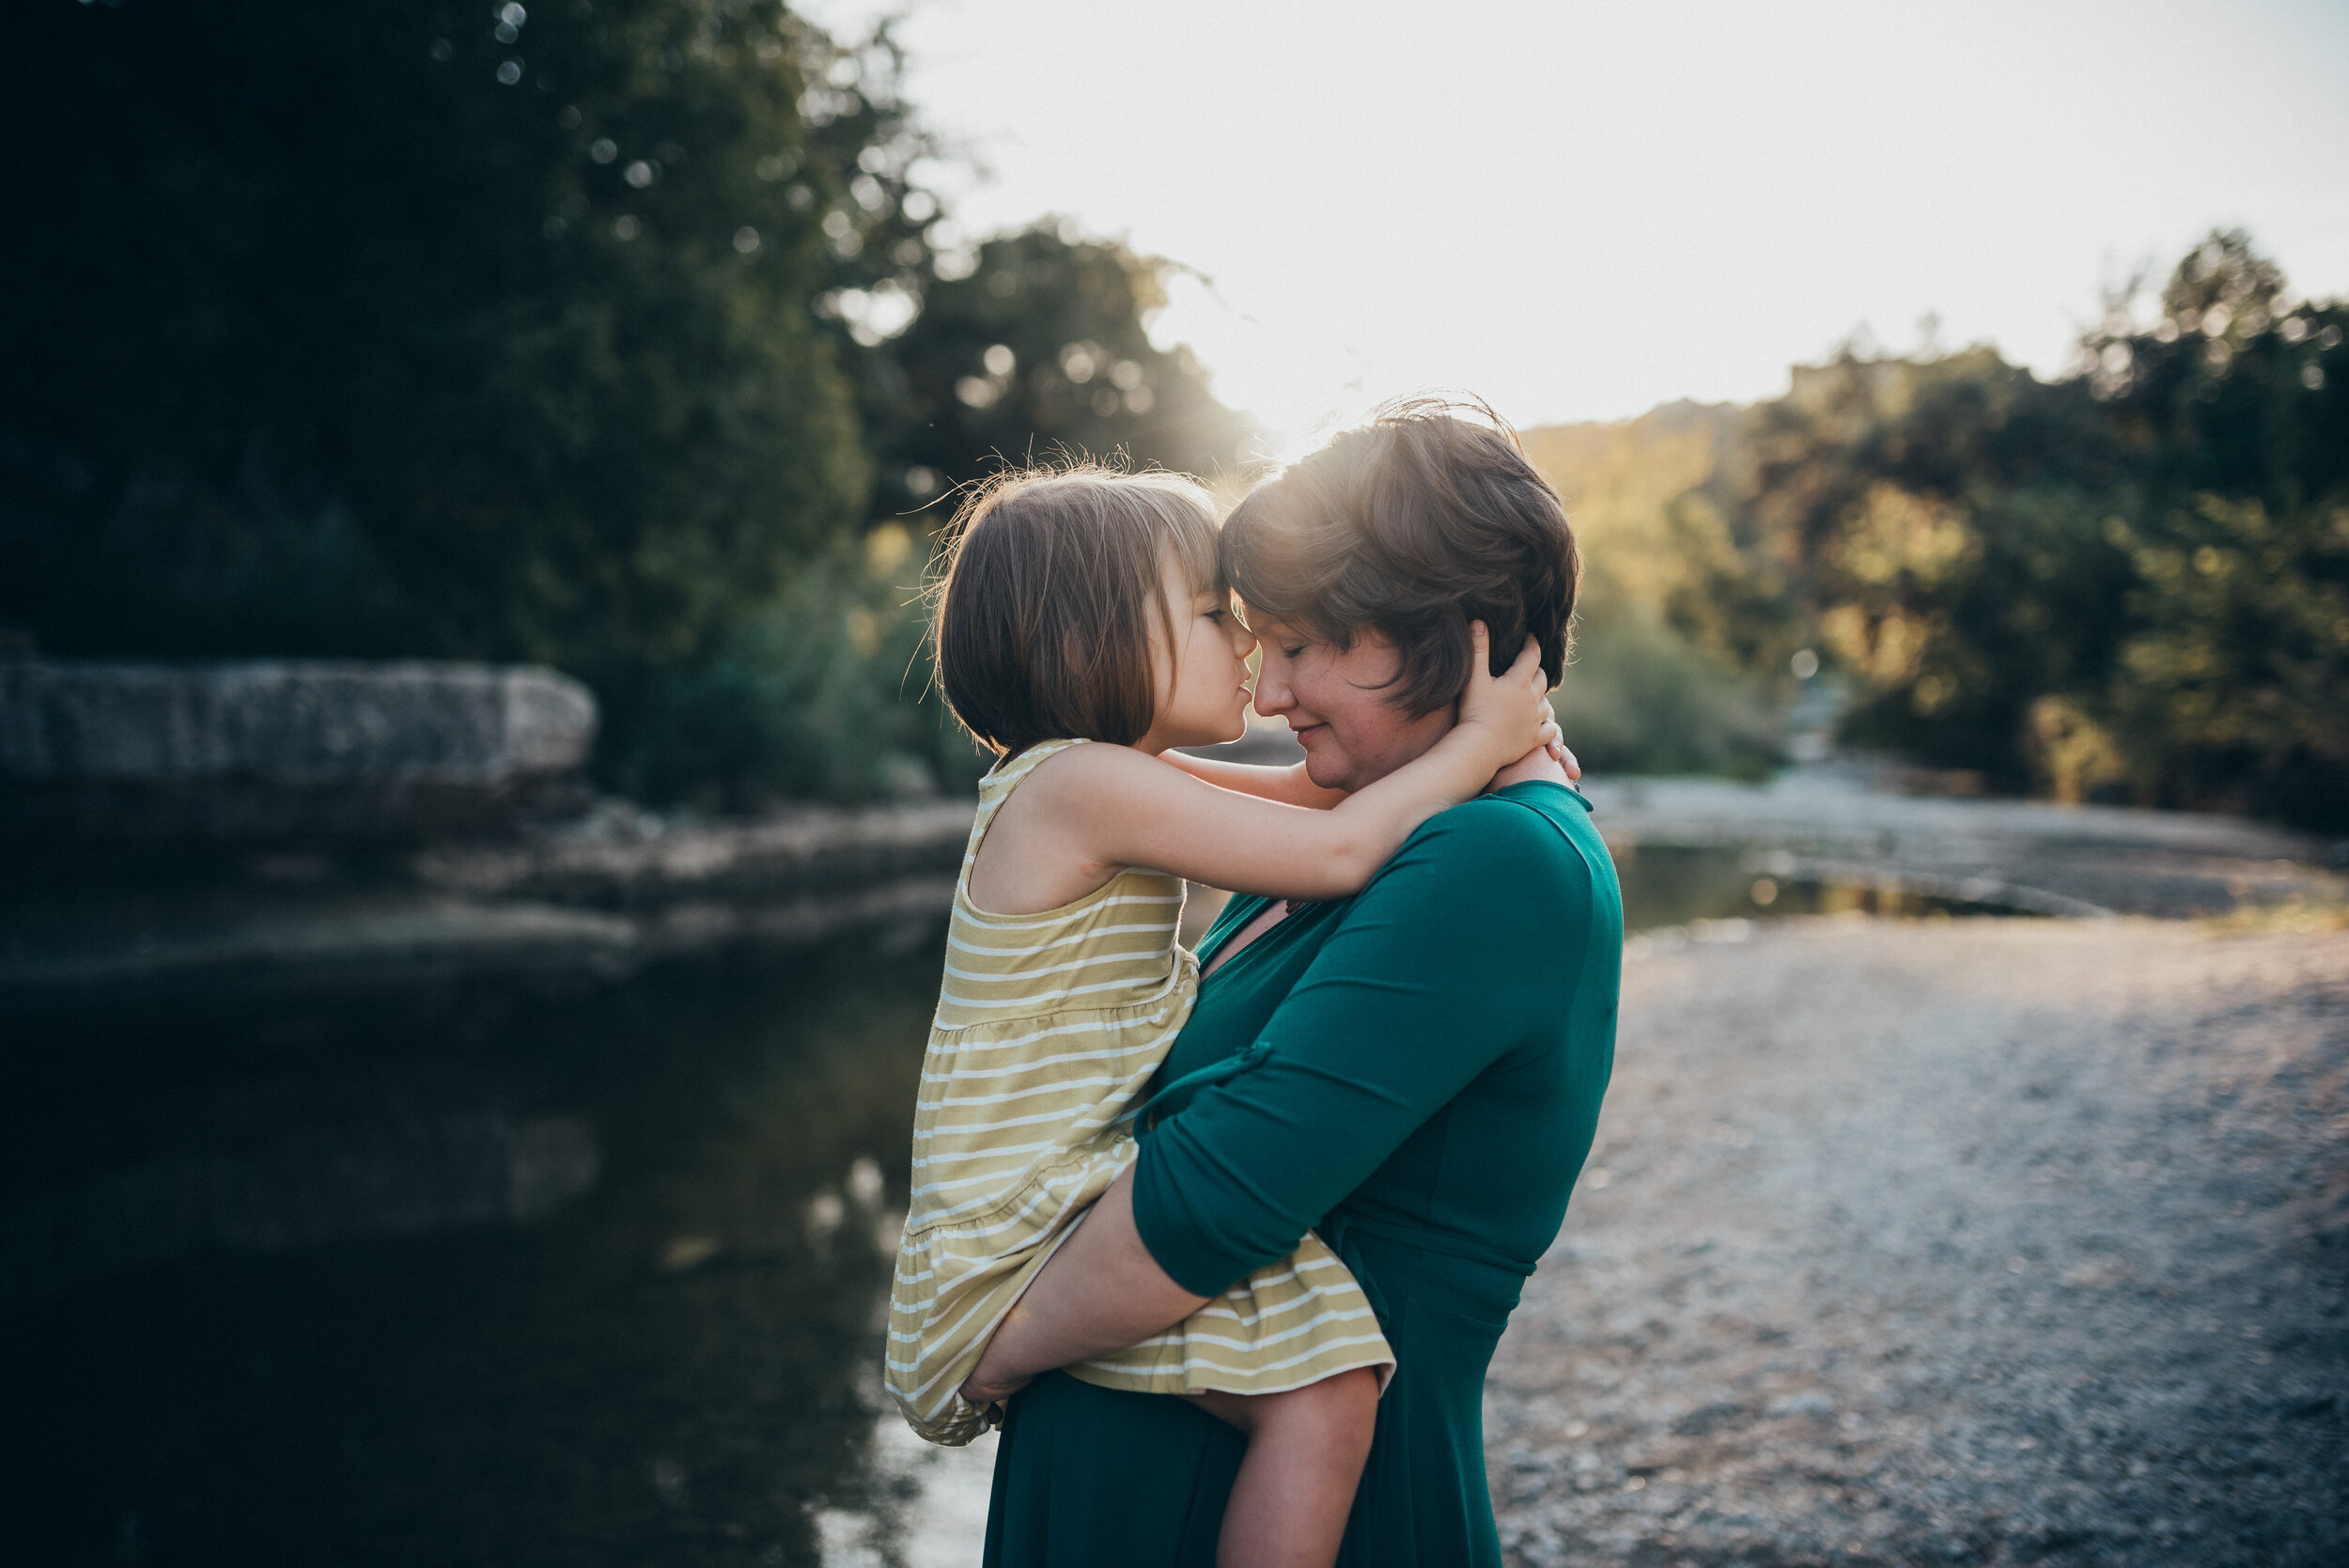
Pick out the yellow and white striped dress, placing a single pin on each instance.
(1049, 1027)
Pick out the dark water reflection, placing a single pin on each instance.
(495, 1274)
(1670, 886)
(477, 1277)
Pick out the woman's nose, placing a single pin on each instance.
(1271, 696)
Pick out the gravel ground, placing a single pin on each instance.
(1990, 1241)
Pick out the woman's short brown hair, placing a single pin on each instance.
(1411, 526)
(1042, 625)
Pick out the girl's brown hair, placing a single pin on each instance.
(1417, 523)
(1042, 625)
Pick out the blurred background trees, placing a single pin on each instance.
(1687, 621)
(571, 333)
(626, 336)
(2129, 584)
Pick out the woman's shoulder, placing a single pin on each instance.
(1520, 818)
(1525, 834)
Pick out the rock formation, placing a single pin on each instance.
(331, 751)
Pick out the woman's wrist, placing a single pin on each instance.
(1482, 751)
(1535, 766)
(1002, 1371)
(1101, 1292)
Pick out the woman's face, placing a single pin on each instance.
(1336, 702)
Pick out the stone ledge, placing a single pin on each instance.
(332, 750)
(618, 857)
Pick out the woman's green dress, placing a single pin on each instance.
(1416, 1074)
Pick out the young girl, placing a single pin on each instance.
(1082, 632)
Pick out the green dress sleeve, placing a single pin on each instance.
(1448, 962)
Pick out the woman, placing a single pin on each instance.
(1414, 1073)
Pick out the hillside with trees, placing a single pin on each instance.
(2130, 583)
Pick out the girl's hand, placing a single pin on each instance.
(1509, 713)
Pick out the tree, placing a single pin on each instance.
(1035, 347)
(2233, 404)
(570, 334)
(372, 328)
(2133, 579)
(1686, 624)
(1945, 520)
(2231, 389)
(1039, 345)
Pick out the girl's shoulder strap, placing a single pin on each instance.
(1003, 779)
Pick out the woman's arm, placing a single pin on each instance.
(1119, 807)
(1101, 1292)
(1463, 947)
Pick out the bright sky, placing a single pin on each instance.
(1583, 209)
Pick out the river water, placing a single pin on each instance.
(498, 1274)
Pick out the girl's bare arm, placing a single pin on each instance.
(1289, 784)
(1123, 808)
(1285, 783)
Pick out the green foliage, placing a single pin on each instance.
(2128, 584)
(2132, 582)
(615, 336)
(331, 339)
(1639, 698)
(823, 695)
(2232, 390)
(1037, 347)
(826, 692)
(560, 334)
(2232, 690)
(1685, 622)
(1947, 518)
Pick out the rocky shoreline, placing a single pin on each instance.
(1850, 822)
(331, 824)
(615, 887)
(1990, 1242)
(598, 897)
(326, 825)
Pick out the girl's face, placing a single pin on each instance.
(1202, 676)
(1336, 702)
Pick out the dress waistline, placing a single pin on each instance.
(1400, 1260)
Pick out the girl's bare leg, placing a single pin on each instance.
(1296, 1486)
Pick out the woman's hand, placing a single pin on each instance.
(1101, 1292)
(985, 1393)
(1510, 709)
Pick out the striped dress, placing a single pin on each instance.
(1049, 1027)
